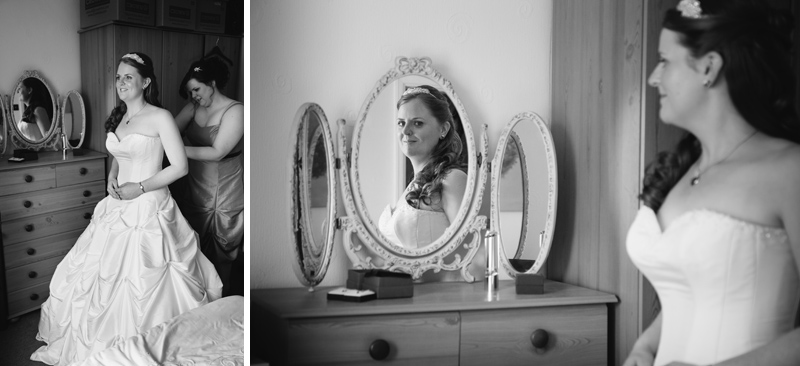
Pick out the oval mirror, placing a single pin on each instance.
(524, 193)
(73, 119)
(398, 232)
(313, 198)
(33, 112)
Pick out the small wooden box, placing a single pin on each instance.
(529, 284)
(94, 12)
(385, 284)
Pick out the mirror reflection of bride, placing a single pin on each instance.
(38, 112)
(429, 137)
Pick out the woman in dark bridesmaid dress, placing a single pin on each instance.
(213, 199)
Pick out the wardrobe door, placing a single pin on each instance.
(231, 47)
(98, 67)
(180, 50)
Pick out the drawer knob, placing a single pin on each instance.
(27, 204)
(29, 227)
(28, 178)
(31, 251)
(83, 171)
(87, 193)
(32, 274)
(539, 338)
(87, 215)
(34, 297)
(379, 349)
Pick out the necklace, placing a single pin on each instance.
(134, 115)
(696, 179)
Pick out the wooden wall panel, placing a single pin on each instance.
(597, 106)
(179, 51)
(97, 61)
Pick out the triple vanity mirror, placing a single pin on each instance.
(373, 174)
(35, 118)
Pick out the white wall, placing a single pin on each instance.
(40, 35)
(495, 53)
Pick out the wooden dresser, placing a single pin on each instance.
(443, 324)
(45, 205)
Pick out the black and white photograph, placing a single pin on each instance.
(405, 182)
(122, 182)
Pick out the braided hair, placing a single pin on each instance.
(146, 70)
(754, 42)
(449, 152)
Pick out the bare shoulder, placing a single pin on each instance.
(455, 176)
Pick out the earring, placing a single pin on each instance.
(707, 83)
(441, 137)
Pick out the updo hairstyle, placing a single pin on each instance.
(206, 71)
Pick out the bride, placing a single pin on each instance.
(138, 263)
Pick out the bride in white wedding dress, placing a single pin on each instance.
(138, 263)
(719, 233)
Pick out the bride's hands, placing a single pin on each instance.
(128, 191)
(111, 188)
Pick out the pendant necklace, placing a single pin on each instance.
(696, 179)
(134, 115)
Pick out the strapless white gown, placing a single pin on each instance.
(726, 286)
(411, 227)
(137, 265)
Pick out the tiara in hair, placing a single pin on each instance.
(198, 69)
(690, 9)
(135, 57)
(417, 90)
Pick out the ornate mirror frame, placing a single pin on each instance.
(3, 125)
(311, 260)
(374, 250)
(64, 104)
(51, 139)
(552, 189)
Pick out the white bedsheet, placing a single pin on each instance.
(212, 334)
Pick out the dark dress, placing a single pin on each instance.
(213, 202)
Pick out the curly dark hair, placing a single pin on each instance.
(448, 154)
(754, 42)
(206, 71)
(146, 70)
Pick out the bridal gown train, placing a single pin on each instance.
(137, 265)
(726, 286)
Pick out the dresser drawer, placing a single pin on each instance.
(424, 339)
(27, 180)
(577, 335)
(40, 226)
(31, 274)
(80, 172)
(37, 203)
(40, 249)
(23, 301)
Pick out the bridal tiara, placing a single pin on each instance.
(417, 90)
(134, 57)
